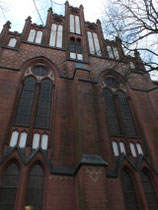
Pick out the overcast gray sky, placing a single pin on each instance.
(18, 10)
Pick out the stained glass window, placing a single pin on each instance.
(35, 188)
(44, 105)
(40, 70)
(111, 113)
(126, 115)
(8, 187)
(149, 191)
(129, 193)
(72, 45)
(25, 103)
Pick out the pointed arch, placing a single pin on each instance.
(40, 59)
(149, 190)
(9, 185)
(35, 187)
(128, 191)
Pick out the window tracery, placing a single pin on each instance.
(34, 108)
(119, 117)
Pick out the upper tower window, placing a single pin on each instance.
(12, 42)
(112, 52)
(35, 36)
(94, 45)
(75, 49)
(56, 35)
(75, 24)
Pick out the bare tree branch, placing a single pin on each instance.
(136, 24)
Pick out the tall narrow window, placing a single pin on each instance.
(149, 191)
(8, 187)
(25, 103)
(75, 48)
(111, 113)
(35, 188)
(116, 54)
(78, 46)
(39, 35)
(94, 45)
(32, 35)
(35, 36)
(126, 115)
(129, 193)
(75, 24)
(112, 52)
(109, 50)
(56, 35)
(72, 44)
(44, 105)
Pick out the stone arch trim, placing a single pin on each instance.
(41, 59)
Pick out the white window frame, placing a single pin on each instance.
(113, 52)
(56, 35)
(94, 45)
(12, 42)
(74, 24)
(35, 36)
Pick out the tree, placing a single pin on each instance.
(136, 24)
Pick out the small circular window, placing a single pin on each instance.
(40, 70)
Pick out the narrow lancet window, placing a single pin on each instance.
(25, 103)
(35, 188)
(8, 187)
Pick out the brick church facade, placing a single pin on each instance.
(78, 119)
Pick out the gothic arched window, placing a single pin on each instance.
(34, 109)
(35, 188)
(117, 109)
(25, 103)
(149, 191)
(8, 187)
(128, 191)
